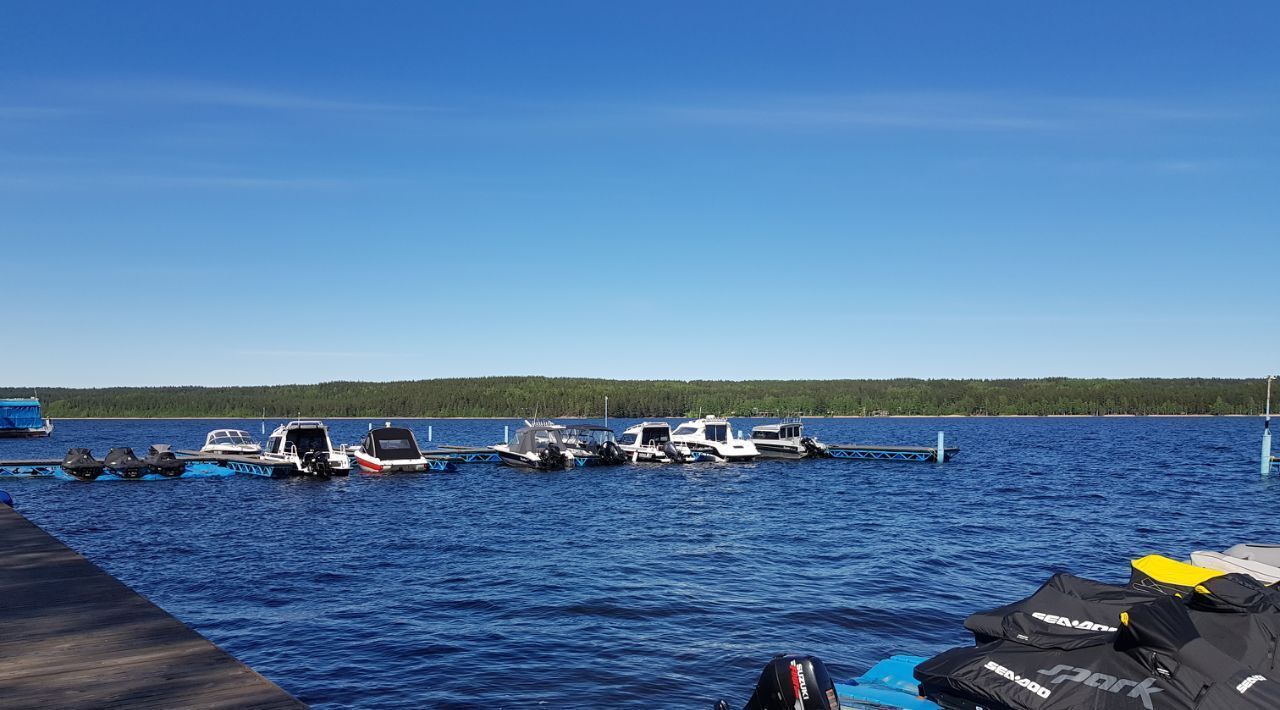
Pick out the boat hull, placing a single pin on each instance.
(372, 465)
(45, 430)
(780, 451)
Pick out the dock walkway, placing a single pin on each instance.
(73, 636)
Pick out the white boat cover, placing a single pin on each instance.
(1261, 571)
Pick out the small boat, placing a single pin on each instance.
(233, 442)
(714, 436)
(651, 442)
(1262, 562)
(594, 443)
(786, 440)
(21, 418)
(390, 450)
(122, 462)
(163, 461)
(537, 445)
(81, 464)
(306, 445)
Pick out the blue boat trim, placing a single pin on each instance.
(888, 684)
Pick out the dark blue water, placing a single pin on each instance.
(641, 586)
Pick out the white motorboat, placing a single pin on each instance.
(594, 443)
(233, 442)
(390, 450)
(786, 440)
(714, 435)
(306, 445)
(651, 441)
(537, 445)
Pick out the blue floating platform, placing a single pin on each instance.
(888, 685)
(870, 452)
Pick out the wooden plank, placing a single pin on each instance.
(76, 637)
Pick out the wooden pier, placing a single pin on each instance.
(73, 636)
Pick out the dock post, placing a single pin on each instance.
(506, 434)
(428, 433)
(1266, 432)
(942, 448)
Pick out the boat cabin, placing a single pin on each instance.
(647, 434)
(219, 438)
(587, 436)
(707, 429)
(300, 438)
(784, 430)
(391, 444)
(535, 439)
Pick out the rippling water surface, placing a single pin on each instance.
(641, 586)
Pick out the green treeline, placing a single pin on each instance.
(567, 397)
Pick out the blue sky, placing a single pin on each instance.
(250, 192)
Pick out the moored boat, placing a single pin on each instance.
(233, 442)
(22, 418)
(651, 442)
(786, 440)
(714, 435)
(81, 464)
(595, 444)
(164, 462)
(306, 445)
(390, 450)
(122, 462)
(537, 445)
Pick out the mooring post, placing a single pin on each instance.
(1266, 432)
(506, 434)
(942, 448)
(428, 433)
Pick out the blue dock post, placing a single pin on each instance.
(942, 448)
(1266, 432)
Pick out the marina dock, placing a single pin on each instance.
(76, 637)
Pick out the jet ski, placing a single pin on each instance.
(81, 464)
(163, 461)
(1066, 646)
(122, 462)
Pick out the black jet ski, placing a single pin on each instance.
(1074, 644)
(163, 461)
(81, 464)
(792, 683)
(122, 462)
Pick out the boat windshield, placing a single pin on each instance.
(686, 430)
(717, 432)
(587, 437)
(231, 438)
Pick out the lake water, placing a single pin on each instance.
(641, 586)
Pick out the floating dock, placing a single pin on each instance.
(873, 452)
(76, 637)
(463, 454)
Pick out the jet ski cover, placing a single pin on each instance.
(1161, 574)
(1064, 610)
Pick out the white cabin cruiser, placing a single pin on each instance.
(390, 450)
(306, 445)
(232, 442)
(714, 435)
(537, 445)
(651, 441)
(786, 440)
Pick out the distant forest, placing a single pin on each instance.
(574, 397)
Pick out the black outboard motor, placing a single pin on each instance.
(792, 683)
(611, 453)
(163, 461)
(811, 448)
(673, 453)
(551, 458)
(316, 464)
(122, 462)
(81, 464)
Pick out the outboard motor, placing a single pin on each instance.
(792, 683)
(163, 461)
(612, 453)
(316, 464)
(552, 457)
(122, 462)
(811, 447)
(81, 464)
(673, 453)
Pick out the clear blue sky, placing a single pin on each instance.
(271, 192)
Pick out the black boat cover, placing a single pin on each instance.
(391, 444)
(1142, 658)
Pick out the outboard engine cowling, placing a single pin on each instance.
(673, 452)
(793, 683)
(124, 463)
(551, 458)
(611, 453)
(81, 464)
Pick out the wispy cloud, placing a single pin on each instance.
(178, 92)
(132, 181)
